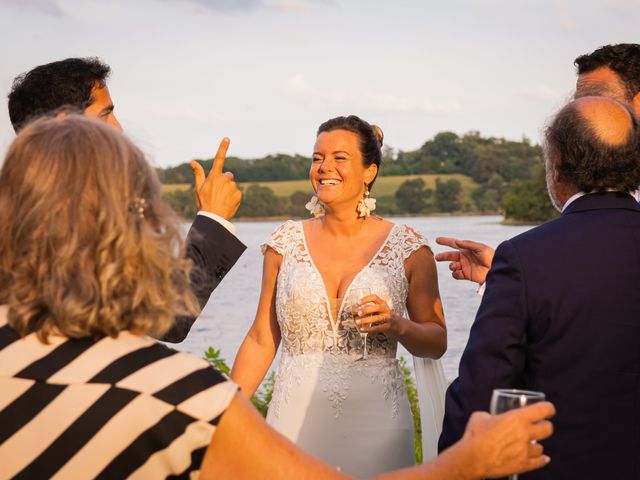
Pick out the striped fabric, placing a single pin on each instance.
(115, 408)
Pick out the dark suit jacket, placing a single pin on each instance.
(561, 314)
(213, 251)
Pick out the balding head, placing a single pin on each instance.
(610, 122)
(592, 145)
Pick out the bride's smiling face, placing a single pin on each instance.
(337, 173)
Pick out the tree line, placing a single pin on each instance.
(509, 174)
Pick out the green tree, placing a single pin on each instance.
(448, 195)
(260, 201)
(297, 201)
(488, 197)
(528, 201)
(486, 200)
(182, 202)
(411, 195)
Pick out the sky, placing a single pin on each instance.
(266, 73)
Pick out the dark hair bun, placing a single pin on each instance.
(377, 131)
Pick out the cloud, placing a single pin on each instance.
(180, 112)
(49, 7)
(224, 5)
(543, 93)
(622, 4)
(298, 86)
(287, 5)
(565, 19)
(250, 5)
(387, 103)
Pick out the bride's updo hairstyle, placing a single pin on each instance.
(371, 138)
(88, 247)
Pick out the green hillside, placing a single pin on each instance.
(384, 186)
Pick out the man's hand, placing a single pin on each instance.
(470, 261)
(217, 193)
(506, 444)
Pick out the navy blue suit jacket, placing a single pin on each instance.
(561, 314)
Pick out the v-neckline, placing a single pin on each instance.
(334, 323)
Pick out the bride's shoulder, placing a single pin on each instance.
(411, 240)
(410, 233)
(281, 237)
(286, 227)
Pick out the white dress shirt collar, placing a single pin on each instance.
(571, 199)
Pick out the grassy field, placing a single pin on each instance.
(384, 186)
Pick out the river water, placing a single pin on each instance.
(232, 306)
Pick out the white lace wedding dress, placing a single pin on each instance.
(351, 413)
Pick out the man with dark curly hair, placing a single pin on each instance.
(561, 311)
(80, 84)
(612, 71)
(76, 83)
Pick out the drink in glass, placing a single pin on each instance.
(504, 399)
(356, 295)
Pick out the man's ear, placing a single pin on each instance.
(635, 105)
(61, 114)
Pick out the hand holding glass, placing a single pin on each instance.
(356, 295)
(504, 400)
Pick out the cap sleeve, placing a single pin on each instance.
(412, 241)
(279, 238)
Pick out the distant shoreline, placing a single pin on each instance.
(505, 222)
(396, 215)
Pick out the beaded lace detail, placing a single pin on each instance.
(303, 308)
(307, 325)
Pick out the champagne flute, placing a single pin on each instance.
(503, 400)
(356, 295)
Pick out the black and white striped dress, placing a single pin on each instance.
(115, 408)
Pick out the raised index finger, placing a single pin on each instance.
(221, 154)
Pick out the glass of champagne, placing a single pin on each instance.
(503, 400)
(355, 296)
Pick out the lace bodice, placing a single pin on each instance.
(303, 307)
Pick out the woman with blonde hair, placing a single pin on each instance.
(90, 262)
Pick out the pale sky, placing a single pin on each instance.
(266, 73)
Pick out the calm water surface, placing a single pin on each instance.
(231, 309)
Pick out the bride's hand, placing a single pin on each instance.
(376, 316)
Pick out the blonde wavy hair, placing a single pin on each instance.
(88, 247)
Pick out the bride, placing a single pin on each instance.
(348, 411)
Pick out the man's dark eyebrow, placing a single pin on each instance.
(107, 109)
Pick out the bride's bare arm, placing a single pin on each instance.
(261, 343)
(424, 334)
